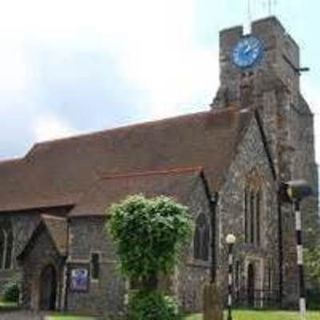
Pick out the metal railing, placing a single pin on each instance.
(257, 299)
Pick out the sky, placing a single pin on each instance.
(75, 66)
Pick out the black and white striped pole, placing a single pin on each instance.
(302, 296)
(296, 191)
(230, 240)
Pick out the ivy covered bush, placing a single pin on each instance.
(151, 306)
(149, 235)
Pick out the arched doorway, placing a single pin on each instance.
(48, 288)
(250, 285)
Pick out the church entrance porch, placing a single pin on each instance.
(48, 288)
(43, 261)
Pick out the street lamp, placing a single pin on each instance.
(295, 191)
(230, 240)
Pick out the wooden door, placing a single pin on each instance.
(48, 288)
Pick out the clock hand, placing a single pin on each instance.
(248, 49)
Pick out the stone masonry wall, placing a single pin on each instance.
(107, 295)
(42, 254)
(22, 226)
(192, 274)
(250, 160)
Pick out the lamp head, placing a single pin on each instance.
(295, 190)
(230, 239)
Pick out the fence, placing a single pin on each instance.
(257, 299)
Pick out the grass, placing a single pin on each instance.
(265, 315)
(68, 317)
(237, 315)
(4, 304)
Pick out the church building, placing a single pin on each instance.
(226, 164)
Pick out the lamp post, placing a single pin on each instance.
(230, 240)
(296, 191)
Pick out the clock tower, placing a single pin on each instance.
(278, 60)
(261, 71)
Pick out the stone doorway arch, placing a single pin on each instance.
(251, 285)
(48, 288)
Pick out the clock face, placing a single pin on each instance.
(247, 52)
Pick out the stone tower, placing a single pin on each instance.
(272, 87)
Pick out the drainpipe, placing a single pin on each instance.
(213, 209)
(213, 201)
(65, 278)
(280, 247)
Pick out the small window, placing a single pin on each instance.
(95, 266)
(134, 284)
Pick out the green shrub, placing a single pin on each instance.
(11, 292)
(313, 298)
(152, 306)
(148, 234)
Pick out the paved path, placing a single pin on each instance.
(26, 315)
(20, 315)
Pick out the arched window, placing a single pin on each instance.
(6, 245)
(258, 204)
(9, 249)
(270, 277)
(202, 238)
(252, 214)
(237, 278)
(246, 214)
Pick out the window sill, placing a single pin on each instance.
(198, 263)
(95, 281)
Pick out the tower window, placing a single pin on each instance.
(95, 266)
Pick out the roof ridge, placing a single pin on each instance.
(172, 171)
(230, 109)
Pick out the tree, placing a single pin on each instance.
(312, 262)
(148, 235)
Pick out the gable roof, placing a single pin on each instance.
(58, 172)
(178, 184)
(57, 230)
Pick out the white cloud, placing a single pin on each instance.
(151, 42)
(49, 127)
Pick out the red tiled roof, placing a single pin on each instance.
(177, 184)
(57, 172)
(56, 228)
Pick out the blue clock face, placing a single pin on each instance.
(247, 52)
